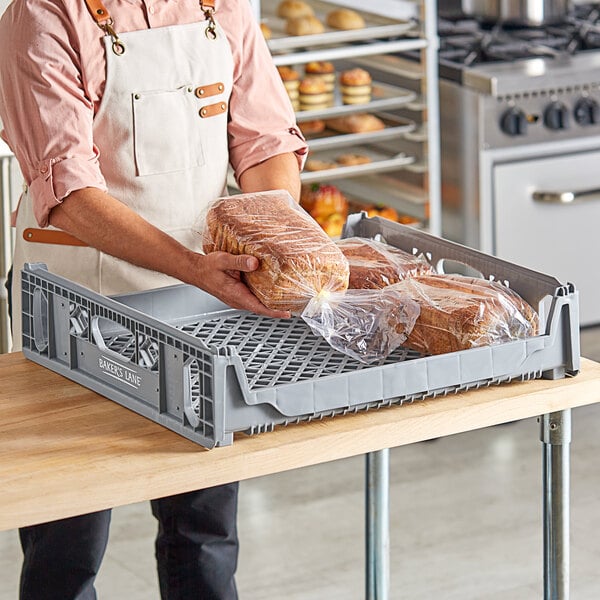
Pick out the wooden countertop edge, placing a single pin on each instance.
(65, 450)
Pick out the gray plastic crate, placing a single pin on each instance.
(187, 361)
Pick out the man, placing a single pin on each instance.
(124, 118)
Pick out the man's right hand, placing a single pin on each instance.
(219, 274)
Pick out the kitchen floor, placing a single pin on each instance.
(465, 516)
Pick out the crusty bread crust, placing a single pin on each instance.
(375, 265)
(458, 313)
(297, 258)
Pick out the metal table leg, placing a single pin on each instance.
(556, 437)
(377, 532)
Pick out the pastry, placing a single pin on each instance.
(324, 71)
(312, 127)
(345, 18)
(353, 159)
(359, 123)
(327, 205)
(293, 9)
(375, 265)
(356, 86)
(297, 258)
(304, 26)
(313, 94)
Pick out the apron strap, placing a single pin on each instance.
(51, 236)
(99, 11)
(103, 19)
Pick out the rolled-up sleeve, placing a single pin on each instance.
(46, 114)
(262, 121)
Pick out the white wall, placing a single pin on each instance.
(3, 5)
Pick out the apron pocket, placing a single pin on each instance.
(163, 139)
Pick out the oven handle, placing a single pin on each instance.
(566, 197)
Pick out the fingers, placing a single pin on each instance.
(221, 278)
(241, 262)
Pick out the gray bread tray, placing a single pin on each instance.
(182, 358)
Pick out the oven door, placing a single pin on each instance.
(547, 217)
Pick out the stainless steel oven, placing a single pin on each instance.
(520, 145)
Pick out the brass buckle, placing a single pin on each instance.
(118, 47)
(211, 29)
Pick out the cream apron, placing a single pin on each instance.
(162, 135)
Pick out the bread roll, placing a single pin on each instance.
(313, 94)
(344, 18)
(312, 127)
(297, 258)
(360, 123)
(348, 160)
(293, 9)
(304, 26)
(356, 86)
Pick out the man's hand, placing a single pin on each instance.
(219, 273)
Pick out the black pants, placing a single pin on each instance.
(196, 548)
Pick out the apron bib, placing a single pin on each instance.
(162, 135)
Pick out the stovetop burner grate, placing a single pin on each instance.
(468, 42)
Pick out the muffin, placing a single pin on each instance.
(356, 86)
(313, 94)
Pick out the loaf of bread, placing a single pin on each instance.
(375, 265)
(297, 258)
(458, 313)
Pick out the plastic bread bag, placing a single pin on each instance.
(297, 258)
(459, 312)
(367, 325)
(376, 264)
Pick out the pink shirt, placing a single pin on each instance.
(52, 75)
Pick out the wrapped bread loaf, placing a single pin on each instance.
(376, 264)
(297, 259)
(458, 313)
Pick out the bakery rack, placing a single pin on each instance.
(414, 187)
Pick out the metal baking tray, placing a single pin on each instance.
(383, 97)
(380, 163)
(394, 127)
(376, 27)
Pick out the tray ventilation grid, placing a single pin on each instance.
(276, 352)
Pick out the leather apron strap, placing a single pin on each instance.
(51, 236)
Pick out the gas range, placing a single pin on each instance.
(546, 80)
(520, 144)
(470, 49)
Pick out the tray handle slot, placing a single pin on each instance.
(103, 328)
(40, 319)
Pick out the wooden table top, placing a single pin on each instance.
(65, 450)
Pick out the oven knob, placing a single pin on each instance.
(587, 111)
(556, 116)
(513, 122)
